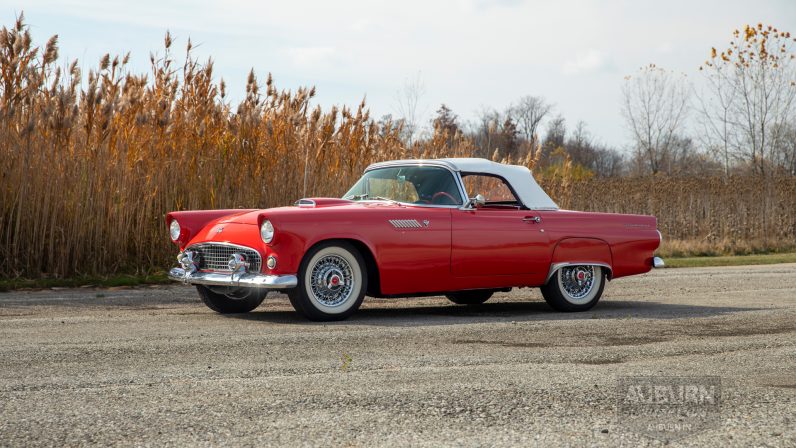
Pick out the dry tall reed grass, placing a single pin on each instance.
(90, 165)
(698, 215)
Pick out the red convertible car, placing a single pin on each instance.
(463, 228)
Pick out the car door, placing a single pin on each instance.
(498, 238)
(413, 248)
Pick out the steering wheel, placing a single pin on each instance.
(443, 195)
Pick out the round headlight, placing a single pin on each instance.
(174, 230)
(267, 231)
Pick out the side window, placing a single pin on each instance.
(494, 190)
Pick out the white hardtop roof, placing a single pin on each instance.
(518, 177)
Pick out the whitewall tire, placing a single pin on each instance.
(575, 288)
(332, 282)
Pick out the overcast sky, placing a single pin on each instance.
(469, 54)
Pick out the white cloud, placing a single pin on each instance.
(314, 57)
(591, 61)
(665, 47)
(480, 5)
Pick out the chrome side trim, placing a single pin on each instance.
(405, 223)
(556, 266)
(657, 262)
(246, 280)
(409, 204)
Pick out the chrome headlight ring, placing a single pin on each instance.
(174, 230)
(267, 231)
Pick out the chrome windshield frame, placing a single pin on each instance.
(397, 164)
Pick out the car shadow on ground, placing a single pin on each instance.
(382, 313)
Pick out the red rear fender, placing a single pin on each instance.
(583, 251)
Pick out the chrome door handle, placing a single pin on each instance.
(533, 219)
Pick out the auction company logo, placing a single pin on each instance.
(668, 408)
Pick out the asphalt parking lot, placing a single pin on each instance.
(153, 366)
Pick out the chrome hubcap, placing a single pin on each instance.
(577, 281)
(332, 280)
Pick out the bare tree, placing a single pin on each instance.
(655, 105)
(484, 130)
(495, 131)
(788, 149)
(580, 146)
(608, 162)
(556, 134)
(586, 152)
(715, 112)
(407, 107)
(750, 97)
(528, 113)
(446, 124)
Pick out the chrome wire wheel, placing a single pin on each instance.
(332, 280)
(578, 284)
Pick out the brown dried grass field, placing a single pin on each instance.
(90, 163)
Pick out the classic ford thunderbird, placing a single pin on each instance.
(462, 228)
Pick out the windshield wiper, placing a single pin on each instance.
(357, 197)
(381, 198)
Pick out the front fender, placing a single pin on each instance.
(291, 246)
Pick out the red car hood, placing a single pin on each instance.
(245, 217)
(251, 217)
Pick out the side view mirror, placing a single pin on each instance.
(476, 202)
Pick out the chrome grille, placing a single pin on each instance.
(214, 256)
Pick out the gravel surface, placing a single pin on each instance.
(153, 366)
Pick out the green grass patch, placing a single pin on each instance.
(99, 282)
(733, 260)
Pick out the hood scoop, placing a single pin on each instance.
(320, 202)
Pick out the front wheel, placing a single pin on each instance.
(574, 288)
(331, 283)
(227, 300)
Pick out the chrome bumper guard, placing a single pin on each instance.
(241, 279)
(657, 262)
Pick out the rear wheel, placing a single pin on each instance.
(574, 288)
(474, 297)
(227, 300)
(332, 282)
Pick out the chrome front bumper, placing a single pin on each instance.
(241, 279)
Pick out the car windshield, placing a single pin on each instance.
(425, 185)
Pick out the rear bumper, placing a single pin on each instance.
(243, 279)
(657, 262)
